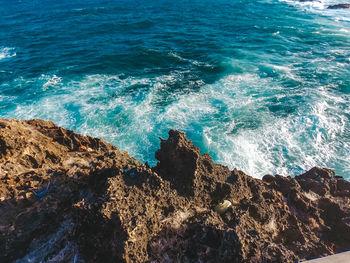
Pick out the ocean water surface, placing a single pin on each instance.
(263, 85)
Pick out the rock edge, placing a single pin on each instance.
(66, 197)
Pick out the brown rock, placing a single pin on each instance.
(339, 6)
(66, 196)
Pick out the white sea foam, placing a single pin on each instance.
(176, 55)
(287, 71)
(51, 81)
(6, 98)
(307, 5)
(277, 145)
(192, 61)
(7, 52)
(321, 7)
(229, 119)
(104, 106)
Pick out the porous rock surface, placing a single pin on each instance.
(65, 197)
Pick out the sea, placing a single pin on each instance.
(262, 85)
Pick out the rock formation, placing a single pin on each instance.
(339, 6)
(65, 197)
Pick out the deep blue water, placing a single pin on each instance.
(263, 86)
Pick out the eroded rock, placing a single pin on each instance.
(65, 197)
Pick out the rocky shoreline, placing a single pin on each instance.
(65, 197)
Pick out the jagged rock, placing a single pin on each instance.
(65, 197)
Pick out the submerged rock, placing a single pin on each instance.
(339, 6)
(65, 197)
(304, 1)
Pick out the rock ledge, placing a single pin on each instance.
(65, 197)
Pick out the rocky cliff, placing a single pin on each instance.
(65, 197)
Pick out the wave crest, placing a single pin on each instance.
(7, 52)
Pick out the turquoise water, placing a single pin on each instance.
(263, 86)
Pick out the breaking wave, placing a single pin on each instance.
(7, 52)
